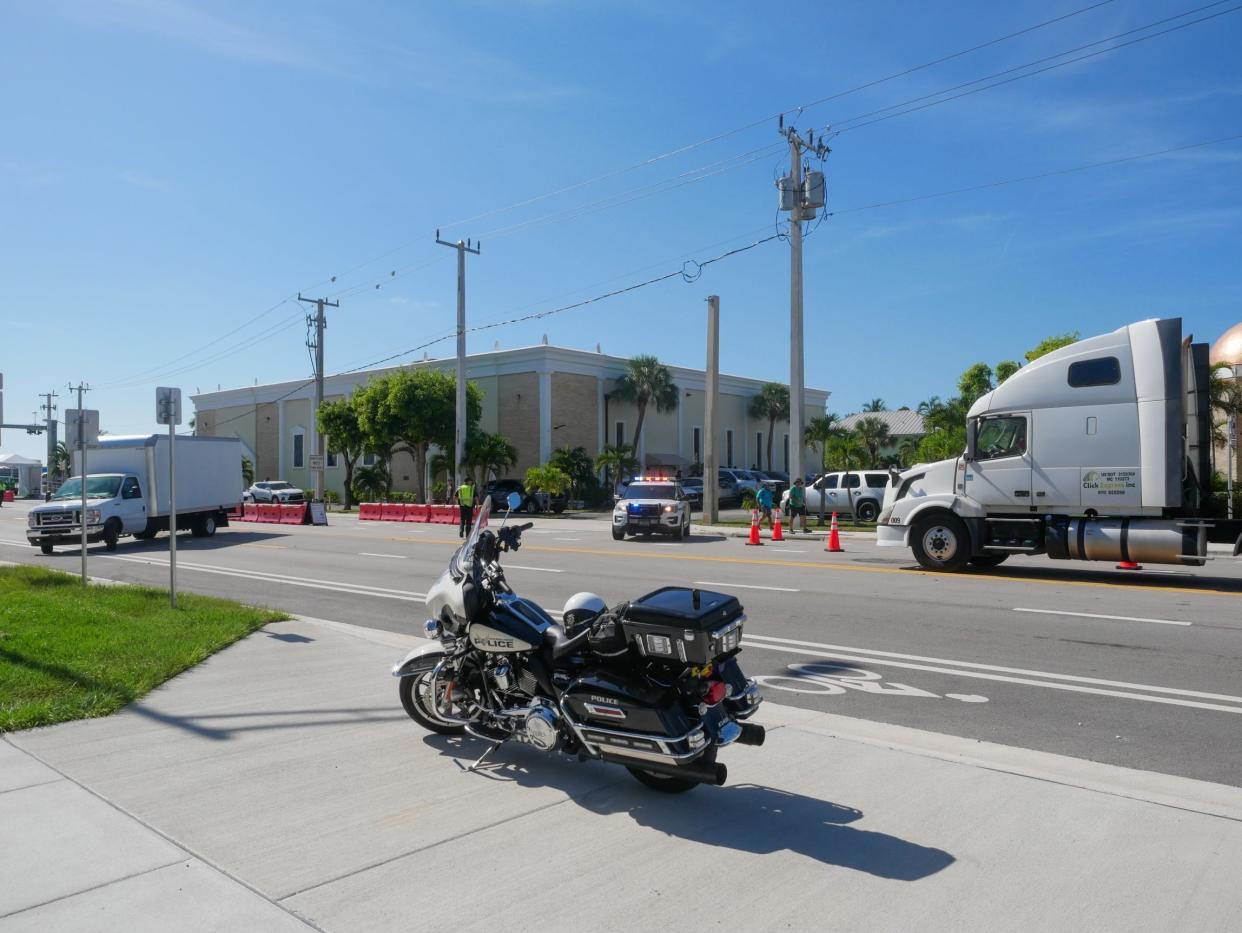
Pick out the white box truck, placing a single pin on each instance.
(127, 491)
(1098, 451)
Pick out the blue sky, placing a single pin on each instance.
(169, 171)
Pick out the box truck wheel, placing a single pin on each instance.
(940, 542)
(111, 533)
(204, 527)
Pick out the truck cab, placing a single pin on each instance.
(115, 506)
(1096, 451)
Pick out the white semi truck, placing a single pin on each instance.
(1098, 451)
(127, 491)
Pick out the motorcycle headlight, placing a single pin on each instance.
(431, 628)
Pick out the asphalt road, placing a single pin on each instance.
(1140, 669)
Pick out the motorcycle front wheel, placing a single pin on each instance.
(416, 697)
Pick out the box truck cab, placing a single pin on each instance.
(127, 491)
(1097, 451)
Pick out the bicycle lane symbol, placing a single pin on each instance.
(826, 678)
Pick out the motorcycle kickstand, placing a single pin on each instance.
(478, 761)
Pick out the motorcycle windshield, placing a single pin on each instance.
(463, 557)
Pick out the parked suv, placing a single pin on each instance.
(499, 490)
(274, 490)
(856, 493)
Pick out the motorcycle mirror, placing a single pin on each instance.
(514, 501)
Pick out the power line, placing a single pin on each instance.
(770, 117)
(1039, 175)
(844, 127)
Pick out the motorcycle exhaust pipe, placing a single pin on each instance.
(715, 773)
(752, 734)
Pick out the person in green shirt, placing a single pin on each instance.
(797, 505)
(465, 502)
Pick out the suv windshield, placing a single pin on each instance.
(649, 491)
(97, 487)
(275, 485)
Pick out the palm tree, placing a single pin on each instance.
(876, 404)
(909, 450)
(62, 463)
(616, 461)
(846, 451)
(489, 454)
(873, 434)
(772, 403)
(576, 463)
(819, 431)
(247, 472)
(647, 382)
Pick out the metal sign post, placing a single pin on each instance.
(85, 431)
(168, 411)
(1231, 446)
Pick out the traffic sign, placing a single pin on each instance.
(167, 405)
(81, 432)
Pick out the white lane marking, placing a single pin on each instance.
(749, 641)
(790, 550)
(567, 539)
(356, 589)
(391, 556)
(1094, 615)
(540, 569)
(747, 586)
(874, 655)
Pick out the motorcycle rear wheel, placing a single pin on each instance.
(415, 692)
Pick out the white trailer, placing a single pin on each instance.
(1097, 451)
(127, 490)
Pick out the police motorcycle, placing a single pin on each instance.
(652, 685)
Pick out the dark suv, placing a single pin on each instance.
(499, 489)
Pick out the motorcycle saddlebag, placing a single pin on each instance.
(681, 624)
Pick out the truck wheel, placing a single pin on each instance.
(46, 548)
(988, 560)
(941, 542)
(204, 527)
(868, 511)
(111, 533)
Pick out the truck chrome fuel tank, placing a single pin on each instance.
(1142, 540)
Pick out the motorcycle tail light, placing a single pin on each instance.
(715, 692)
(659, 644)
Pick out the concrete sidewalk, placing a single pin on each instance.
(279, 785)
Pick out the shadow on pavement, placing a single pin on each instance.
(1159, 579)
(743, 817)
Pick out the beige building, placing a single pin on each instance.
(540, 398)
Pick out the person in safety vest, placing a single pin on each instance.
(465, 501)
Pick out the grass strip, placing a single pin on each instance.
(73, 653)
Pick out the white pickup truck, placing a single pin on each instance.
(127, 491)
(1097, 451)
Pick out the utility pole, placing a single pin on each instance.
(459, 442)
(801, 196)
(50, 421)
(711, 414)
(316, 343)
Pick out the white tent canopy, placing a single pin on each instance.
(28, 472)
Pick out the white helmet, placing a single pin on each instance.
(581, 608)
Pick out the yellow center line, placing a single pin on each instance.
(811, 565)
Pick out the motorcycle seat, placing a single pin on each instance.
(560, 644)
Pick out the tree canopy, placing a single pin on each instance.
(771, 403)
(647, 381)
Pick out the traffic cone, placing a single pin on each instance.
(754, 527)
(776, 526)
(834, 536)
(1129, 565)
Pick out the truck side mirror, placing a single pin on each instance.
(972, 436)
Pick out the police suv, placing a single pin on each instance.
(651, 505)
